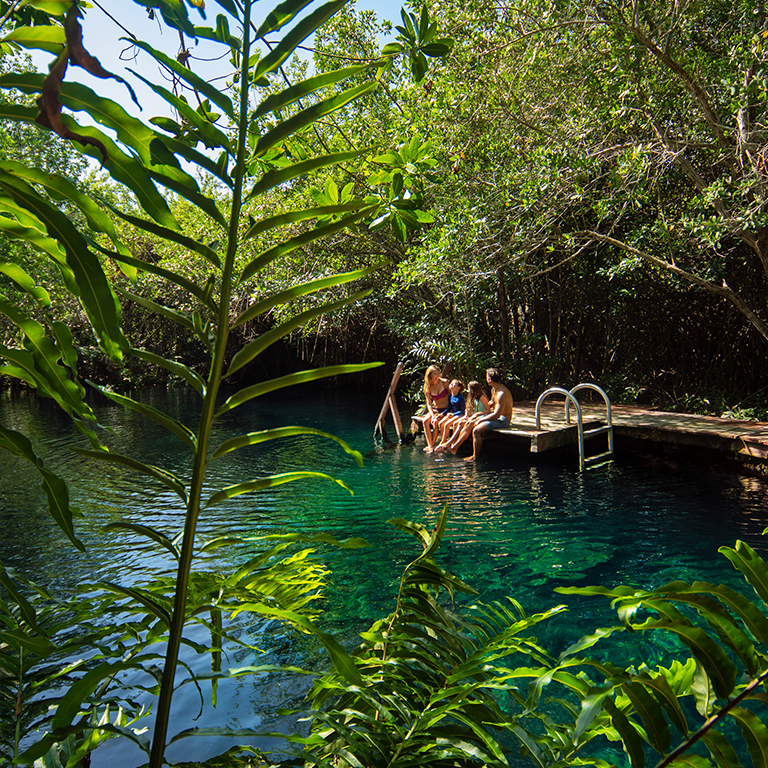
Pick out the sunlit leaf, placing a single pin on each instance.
(26, 610)
(178, 369)
(325, 538)
(630, 739)
(62, 189)
(342, 660)
(589, 640)
(172, 425)
(169, 234)
(137, 265)
(720, 749)
(254, 348)
(172, 314)
(751, 565)
(254, 438)
(221, 100)
(144, 530)
(709, 654)
(139, 596)
(304, 88)
(26, 283)
(265, 305)
(310, 115)
(198, 158)
(211, 135)
(302, 215)
(591, 706)
(46, 357)
(665, 695)
(296, 36)
(70, 704)
(296, 242)
(93, 289)
(275, 177)
(130, 171)
(55, 488)
(755, 734)
(156, 473)
(301, 377)
(270, 482)
(651, 715)
(51, 7)
(48, 38)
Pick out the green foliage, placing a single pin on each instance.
(470, 685)
(55, 488)
(46, 670)
(599, 184)
(726, 637)
(190, 226)
(64, 662)
(436, 685)
(203, 205)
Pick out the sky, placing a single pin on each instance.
(101, 37)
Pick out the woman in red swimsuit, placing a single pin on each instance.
(438, 397)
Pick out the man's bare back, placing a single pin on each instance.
(502, 402)
(500, 415)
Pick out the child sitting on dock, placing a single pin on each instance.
(476, 406)
(456, 408)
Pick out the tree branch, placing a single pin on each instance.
(719, 290)
(712, 721)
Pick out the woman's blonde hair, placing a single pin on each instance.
(432, 369)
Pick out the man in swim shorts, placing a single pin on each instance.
(500, 415)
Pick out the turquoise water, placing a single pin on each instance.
(516, 527)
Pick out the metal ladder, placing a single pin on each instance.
(570, 397)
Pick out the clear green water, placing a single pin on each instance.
(516, 527)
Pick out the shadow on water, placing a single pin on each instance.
(516, 527)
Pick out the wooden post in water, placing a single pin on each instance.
(389, 402)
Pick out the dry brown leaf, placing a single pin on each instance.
(49, 114)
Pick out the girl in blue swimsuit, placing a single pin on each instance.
(456, 410)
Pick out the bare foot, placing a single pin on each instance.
(454, 450)
(470, 458)
(428, 449)
(441, 447)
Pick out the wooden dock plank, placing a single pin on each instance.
(558, 438)
(730, 437)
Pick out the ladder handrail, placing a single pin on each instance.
(606, 399)
(568, 399)
(594, 387)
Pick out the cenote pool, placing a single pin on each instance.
(516, 527)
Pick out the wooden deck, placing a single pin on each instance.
(746, 441)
